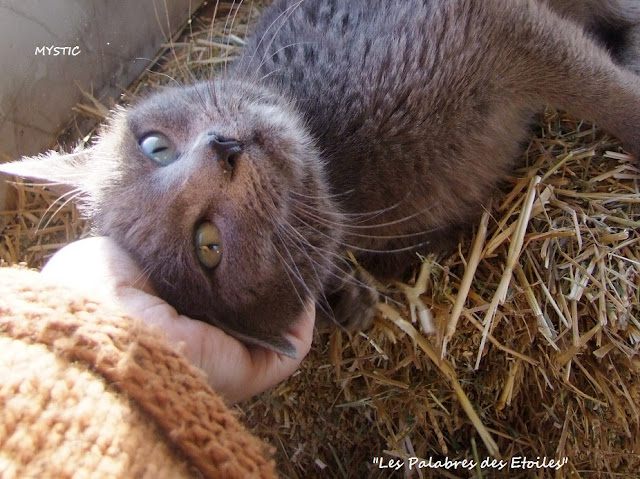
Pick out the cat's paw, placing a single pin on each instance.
(353, 306)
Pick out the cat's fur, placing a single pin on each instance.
(376, 126)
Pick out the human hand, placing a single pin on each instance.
(234, 370)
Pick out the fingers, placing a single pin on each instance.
(278, 367)
(243, 371)
(97, 265)
(301, 334)
(104, 270)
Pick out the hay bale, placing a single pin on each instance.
(535, 350)
(551, 370)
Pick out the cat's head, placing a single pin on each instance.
(219, 193)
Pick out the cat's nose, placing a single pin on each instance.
(226, 151)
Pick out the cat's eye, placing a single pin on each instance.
(159, 148)
(208, 244)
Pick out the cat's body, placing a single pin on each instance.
(406, 100)
(380, 127)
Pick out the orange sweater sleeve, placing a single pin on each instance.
(88, 392)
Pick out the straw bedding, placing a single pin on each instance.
(535, 350)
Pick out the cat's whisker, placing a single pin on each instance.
(344, 278)
(295, 273)
(229, 37)
(314, 264)
(190, 23)
(298, 243)
(227, 28)
(292, 231)
(302, 240)
(371, 250)
(264, 77)
(45, 184)
(275, 34)
(185, 72)
(176, 82)
(73, 194)
(322, 197)
(292, 267)
(168, 283)
(273, 55)
(348, 228)
(364, 216)
(146, 274)
(286, 14)
(169, 39)
(284, 230)
(246, 27)
(212, 71)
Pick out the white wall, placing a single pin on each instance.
(116, 40)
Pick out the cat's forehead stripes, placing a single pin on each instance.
(168, 111)
(228, 108)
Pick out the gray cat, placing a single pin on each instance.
(365, 125)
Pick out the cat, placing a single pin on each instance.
(371, 126)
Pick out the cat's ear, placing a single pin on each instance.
(60, 172)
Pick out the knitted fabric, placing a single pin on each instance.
(88, 392)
